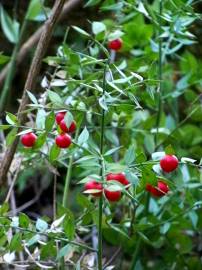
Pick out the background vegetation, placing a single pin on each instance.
(130, 107)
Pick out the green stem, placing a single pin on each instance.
(68, 175)
(67, 182)
(11, 71)
(103, 178)
(139, 240)
(159, 75)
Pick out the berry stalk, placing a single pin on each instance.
(159, 75)
(102, 176)
(68, 175)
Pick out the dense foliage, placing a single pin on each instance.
(126, 106)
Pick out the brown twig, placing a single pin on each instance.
(32, 41)
(31, 81)
(12, 183)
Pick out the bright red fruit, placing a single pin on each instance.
(59, 117)
(112, 196)
(159, 191)
(119, 177)
(63, 140)
(115, 44)
(64, 127)
(94, 185)
(169, 163)
(28, 139)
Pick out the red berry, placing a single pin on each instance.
(59, 117)
(115, 44)
(94, 185)
(169, 163)
(119, 177)
(28, 139)
(63, 140)
(159, 191)
(112, 196)
(64, 127)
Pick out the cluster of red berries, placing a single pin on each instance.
(62, 140)
(168, 164)
(112, 196)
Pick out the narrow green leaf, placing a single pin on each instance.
(41, 225)
(83, 137)
(50, 120)
(54, 152)
(68, 119)
(10, 27)
(54, 97)
(32, 97)
(11, 136)
(81, 31)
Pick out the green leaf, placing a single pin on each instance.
(50, 120)
(54, 97)
(98, 27)
(33, 240)
(15, 244)
(10, 27)
(69, 226)
(83, 201)
(54, 152)
(148, 176)
(91, 3)
(103, 103)
(68, 119)
(169, 150)
(4, 127)
(112, 137)
(40, 141)
(130, 155)
(4, 209)
(4, 59)
(32, 97)
(111, 151)
(141, 158)
(81, 31)
(64, 251)
(132, 178)
(24, 220)
(83, 137)
(11, 118)
(149, 143)
(11, 136)
(48, 251)
(41, 225)
(40, 119)
(34, 9)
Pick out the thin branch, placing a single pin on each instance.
(31, 81)
(12, 182)
(32, 41)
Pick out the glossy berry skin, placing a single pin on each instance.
(119, 177)
(64, 127)
(161, 190)
(112, 196)
(59, 117)
(115, 44)
(28, 139)
(63, 140)
(169, 163)
(94, 185)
